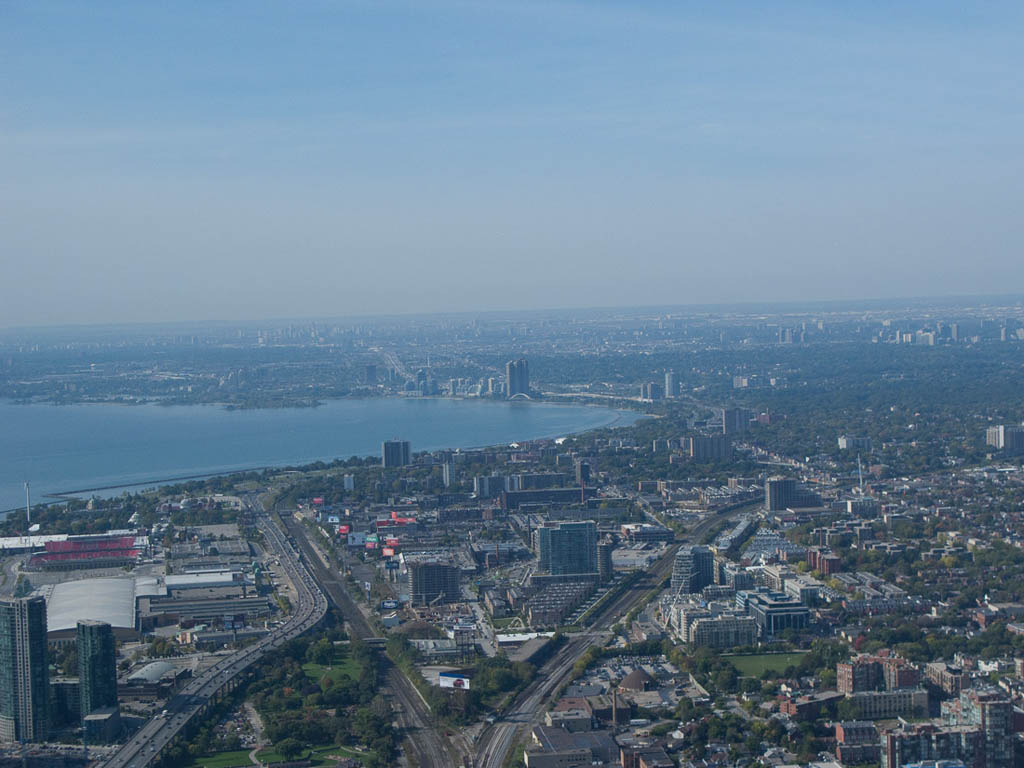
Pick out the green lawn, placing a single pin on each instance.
(224, 759)
(344, 665)
(754, 665)
(318, 756)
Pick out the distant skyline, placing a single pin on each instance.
(231, 161)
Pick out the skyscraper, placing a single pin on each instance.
(395, 453)
(605, 569)
(671, 384)
(565, 548)
(517, 377)
(693, 569)
(24, 670)
(97, 666)
(779, 493)
(735, 420)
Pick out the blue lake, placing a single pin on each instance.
(72, 447)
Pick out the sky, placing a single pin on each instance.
(223, 160)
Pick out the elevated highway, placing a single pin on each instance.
(152, 741)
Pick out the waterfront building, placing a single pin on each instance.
(395, 453)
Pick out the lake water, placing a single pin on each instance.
(72, 447)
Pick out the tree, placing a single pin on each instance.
(289, 748)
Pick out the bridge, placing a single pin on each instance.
(186, 708)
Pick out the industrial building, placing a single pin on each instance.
(109, 600)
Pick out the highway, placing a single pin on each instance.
(425, 744)
(149, 743)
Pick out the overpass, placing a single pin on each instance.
(190, 704)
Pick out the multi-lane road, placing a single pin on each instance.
(152, 739)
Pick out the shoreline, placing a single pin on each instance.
(618, 415)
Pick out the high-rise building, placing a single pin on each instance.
(605, 569)
(735, 420)
(371, 374)
(24, 670)
(582, 472)
(448, 473)
(395, 453)
(651, 390)
(517, 378)
(779, 493)
(693, 569)
(433, 582)
(671, 384)
(489, 486)
(1009, 438)
(709, 447)
(565, 548)
(97, 666)
(851, 443)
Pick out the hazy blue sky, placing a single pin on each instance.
(236, 160)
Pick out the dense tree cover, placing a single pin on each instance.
(922, 642)
(74, 517)
(493, 679)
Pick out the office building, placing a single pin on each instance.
(517, 378)
(567, 548)
(97, 666)
(773, 611)
(582, 472)
(395, 453)
(24, 670)
(448, 473)
(433, 582)
(693, 569)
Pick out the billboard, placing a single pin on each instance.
(391, 541)
(389, 605)
(372, 537)
(344, 529)
(388, 552)
(453, 680)
(318, 501)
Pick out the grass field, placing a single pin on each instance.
(318, 756)
(754, 665)
(224, 760)
(343, 666)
